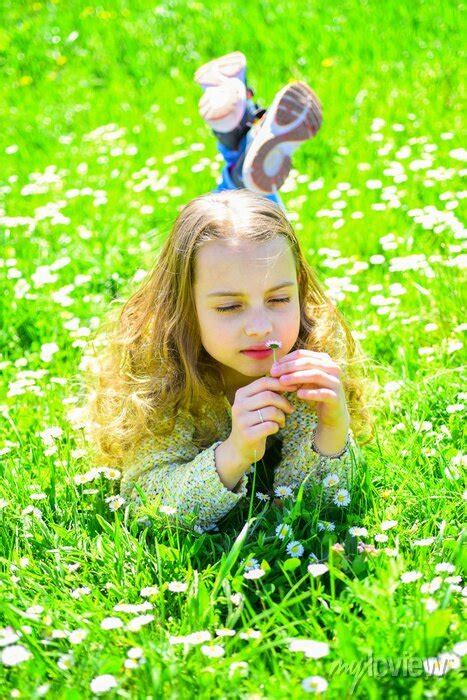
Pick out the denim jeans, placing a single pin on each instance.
(230, 158)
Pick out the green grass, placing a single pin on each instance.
(69, 206)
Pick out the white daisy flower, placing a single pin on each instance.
(148, 591)
(111, 623)
(342, 498)
(102, 684)
(317, 569)
(314, 684)
(388, 524)
(311, 648)
(177, 586)
(135, 624)
(358, 531)
(410, 576)
(250, 563)
(15, 655)
(213, 652)
(330, 480)
(283, 491)
(273, 344)
(254, 574)
(424, 542)
(295, 549)
(283, 530)
(262, 496)
(444, 566)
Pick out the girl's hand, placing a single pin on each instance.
(248, 436)
(316, 378)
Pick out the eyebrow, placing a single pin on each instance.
(239, 294)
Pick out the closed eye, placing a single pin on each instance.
(282, 300)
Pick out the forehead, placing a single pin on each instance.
(244, 263)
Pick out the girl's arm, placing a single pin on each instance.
(172, 468)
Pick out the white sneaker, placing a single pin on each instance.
(222, 106)
(232, 65)
(294, 117)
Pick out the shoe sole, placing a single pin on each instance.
(231, 65)
(234, 101)
(294, 117)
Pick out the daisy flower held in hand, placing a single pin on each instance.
(274, 344)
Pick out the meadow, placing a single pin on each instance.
(101, 145)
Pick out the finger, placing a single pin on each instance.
(311, 376)
(262, 384)
(268, 413)
(322, 395)
(303, 353)
(256, 432)
(268, 398)
(306, 363)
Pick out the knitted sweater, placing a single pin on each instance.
(172, 467)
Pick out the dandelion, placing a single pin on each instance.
(410, 576)
(283, 491)
(317, 569)
(295, 549)
(254, 574)
(177, 586)
(102, 684)
(311, 648)
(213, 652)
(283, 530)
(314, 684)
(15, 655)
(274, 344)
(342, 498)
(330, 480)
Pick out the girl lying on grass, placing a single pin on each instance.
(187, 398)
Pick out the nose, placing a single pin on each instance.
(258, 325)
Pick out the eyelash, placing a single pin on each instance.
(223, 309)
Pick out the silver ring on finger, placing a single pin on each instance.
(260, 415)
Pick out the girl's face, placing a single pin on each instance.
(246, 293)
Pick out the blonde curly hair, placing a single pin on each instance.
(148, 361)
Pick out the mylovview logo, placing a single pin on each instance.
(405, 666)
